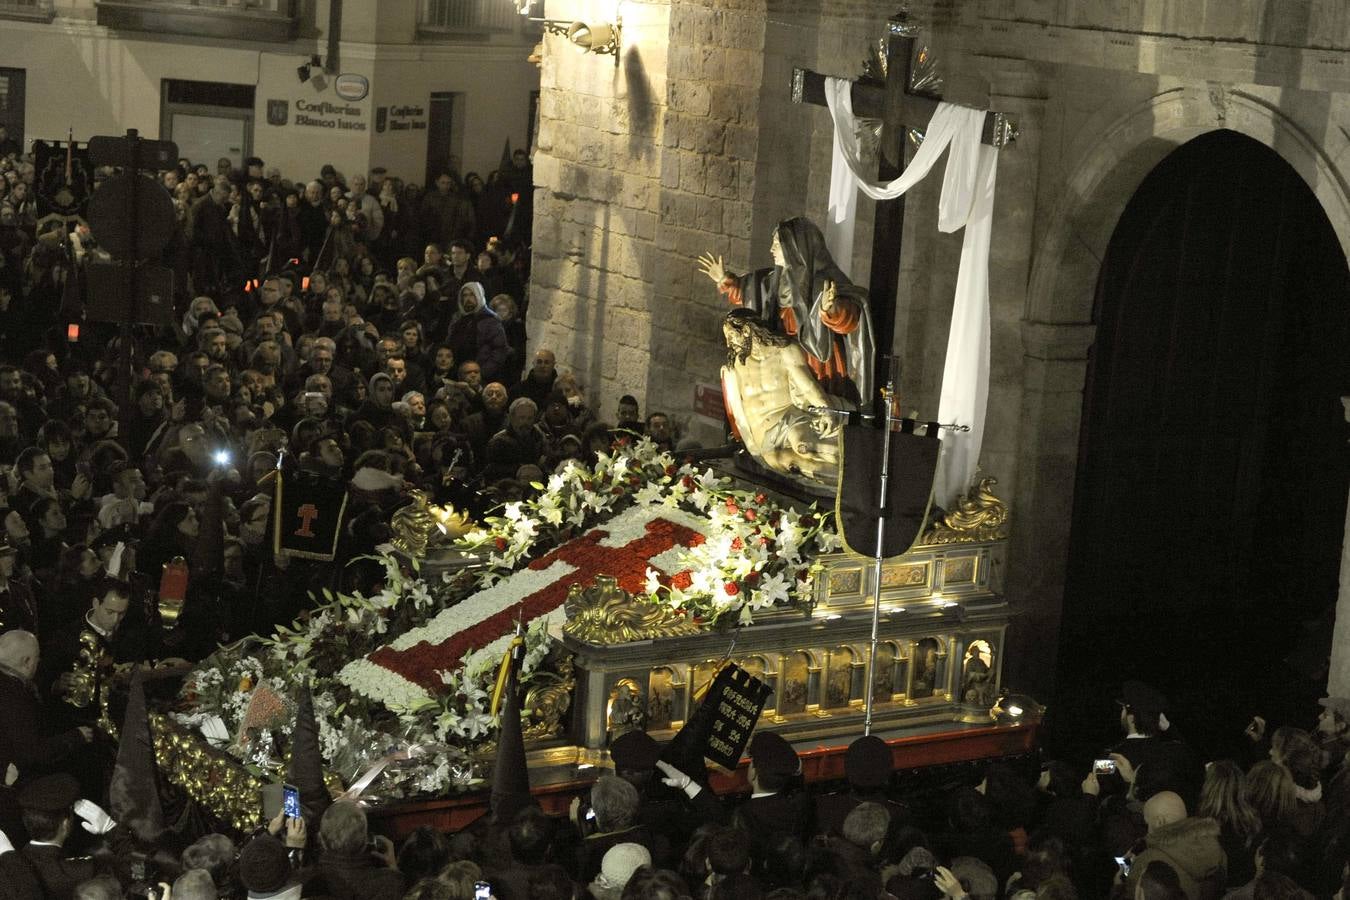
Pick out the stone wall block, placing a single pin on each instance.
(742, 142)
(686, 61)
(738, 219)
(629, 328)
(741, 31)
(701, 135)
(709, 214)
(744, 67)
(729, 103)
(632, 366)
(692, 97)
(693, 172)
(722, 175)
(712, 63)
(670, 170)
(746, 180)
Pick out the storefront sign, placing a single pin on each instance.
(400, 118)
(325, 114)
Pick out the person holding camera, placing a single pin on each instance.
(353, 864)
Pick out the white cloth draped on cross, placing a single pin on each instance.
(967, 201)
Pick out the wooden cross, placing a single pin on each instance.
(891, 100)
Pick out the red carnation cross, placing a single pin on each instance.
(627, 564)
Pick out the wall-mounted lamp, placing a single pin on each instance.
(598, 37)
(303, 71)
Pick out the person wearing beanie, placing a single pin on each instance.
(617, 867)
(265, 870)
(867, 768)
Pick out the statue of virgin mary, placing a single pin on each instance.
(805, 296)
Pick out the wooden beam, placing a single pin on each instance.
(869, 101)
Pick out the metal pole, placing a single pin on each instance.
(126, 354)
(887, 396)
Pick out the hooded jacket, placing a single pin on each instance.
(479, 336)
(1191, 847)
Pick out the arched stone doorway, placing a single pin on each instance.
(1058, 328)
(1212, 481)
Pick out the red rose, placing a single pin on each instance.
(688, 482)
(750, 515)
(760, 498)
(731, 505)
(737, 544)
(752, 579)
(732, 588)
(617, 490)
(671, 470)
(501, 543)
(808, 521)
(634, 480)
(802, 574)
(681, 580)
(588, 485)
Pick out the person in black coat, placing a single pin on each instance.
(49, 810)
(775, 806)
(478, 334)
(867, 768)
(24, 743)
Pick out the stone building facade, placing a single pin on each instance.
(691, 144)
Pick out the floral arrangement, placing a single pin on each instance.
(413, 665)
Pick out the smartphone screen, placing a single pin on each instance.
(291, 801)
(482, 890)
(1124, 865)
(1104, 766)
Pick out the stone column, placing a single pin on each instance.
(1054, 372)
(1338, 676)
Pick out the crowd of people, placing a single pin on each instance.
(366, 332)
(358, 330)
(1148, 820)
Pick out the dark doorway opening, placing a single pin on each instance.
(1210, 499)
(12, 83)
(444, 134)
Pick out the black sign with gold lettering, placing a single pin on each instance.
(731, 708)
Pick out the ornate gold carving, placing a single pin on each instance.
(208, 776)
(848, 582)
(912, 575)
(626, 709)
(421, 524)
(605, 614)
(978, 516)
(547, 701)
(85, 676)
(958, 570)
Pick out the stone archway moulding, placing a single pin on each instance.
(1064, 273)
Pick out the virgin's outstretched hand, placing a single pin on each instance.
(712, 267)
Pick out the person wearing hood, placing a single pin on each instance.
(378, 407)
(478, 334)
(1188, 844)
